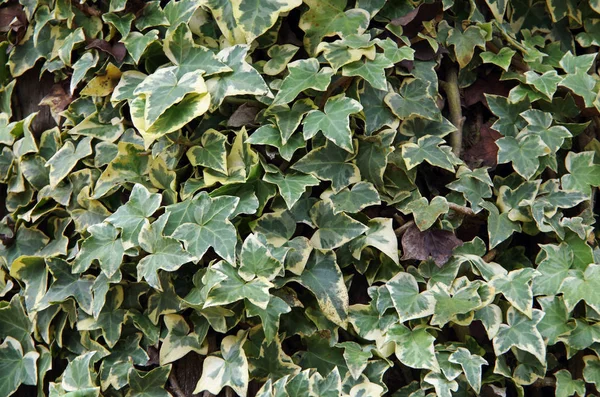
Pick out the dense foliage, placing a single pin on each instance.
(318, 197)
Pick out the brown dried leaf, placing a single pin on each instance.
(12, 17)
(117, 50)
(489, 84)
(434, 243)
(243, 115)
(485, 151)
(412, 22)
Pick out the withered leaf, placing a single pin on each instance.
(485, 151)
(434, 243)
(116, 50)
(243, 115)
(57, 99)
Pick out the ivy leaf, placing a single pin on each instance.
(291, 186)
(165, 253)
(428, 149)
(437, 244)
(566, 386)
(516, 288)
(148, 384)
(256, 17)
(583, 172)
(231, 287)
(414, 348)
(181, 50)
(67, 285)
(546, 83)
(521, 332)
(212, 154)
(408, 301)
(333, 230)
(228, 368)
(164, 88)
(443, 387)
(270, 135)
(257, 261)
(581, 84)
(330, 163)
(179, 340)
(328, 18)
(510, 121)
(377, 113)
(556, 319)
(104, 246)
(323, 278)
(280, 56)
(372, 71)
(303, 74)
(356, 357)
(553, 268)
(288, 120)
(110, 319)
(269, 317)
(502, 58)
(413, 99)
(18, 368)
(333, 122)
(355, 199)
(426, 213)
(582, 285)
(133, 215)
(465, 42)
(471, 365)
(205, 223)
(590, 372)
(475, 185)
(65, 159)
(242, 80)
(500, 227)
(523, 151)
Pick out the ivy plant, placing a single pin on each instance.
(299, 198)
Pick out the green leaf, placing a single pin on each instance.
(413, 99)
(110, 320)
(328, 18)
(291, 186)
(165, 253)
(521, 332)
(355, 199)
(372, 157)
(591, 370)
(229, 368)
(414, 348)
(582, 285)
(137, 43)
(280, 56)
(231, 287)
(32, 271)
(443, 387)
(242, 80)
(179, 340)
(553, 268)
(471, 365)
(323, 278)
(148, 384)
(516, 288)
(212, 154)
(104, 246)
(546, 83)
(17, 368)
(134, 214)
(500, 227)
(303, 74)
(270, 135)
(330, 163)
(269, 317)
(333, 230)
(333, 122)
(373, 71)
(583, 172)
(356, 357)
(523, 152)
(163, 89)
(377, 113)
(181, 50)
(428, 149)
(581, 84)
(257, 261)
(465, 42)
(556, 319)
(408, 301)
(503, 58)
(509, 121)
(426, 213)
(566, 386)
(256, 17)
(205, 223)
(66, 158)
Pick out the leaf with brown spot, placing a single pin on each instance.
(434, 243)
(485, 151)
(57, 99)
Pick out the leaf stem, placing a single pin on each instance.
(450, 86)
(402, 229)
(461, 209)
